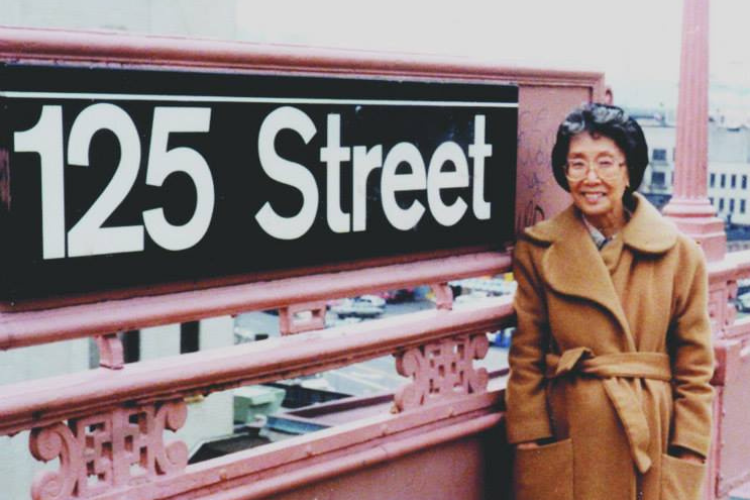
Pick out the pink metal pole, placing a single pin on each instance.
(690, 208)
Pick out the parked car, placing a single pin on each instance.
(365, 306)
(397, 296)
(467, 298)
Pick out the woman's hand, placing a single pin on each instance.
(530, 445)
(686, 454)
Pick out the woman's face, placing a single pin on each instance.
(597, 175)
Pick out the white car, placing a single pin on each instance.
(368, 306)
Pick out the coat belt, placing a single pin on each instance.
(613, 369)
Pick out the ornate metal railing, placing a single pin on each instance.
(106, 426)
(729, 460)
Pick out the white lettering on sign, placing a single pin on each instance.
(333, 155)
(479, 151)
(87, 237)
(163, 162)
(287, 172)
(46, 139)
(437, 179)
(403, 170)
(364, 161)
(392, 183)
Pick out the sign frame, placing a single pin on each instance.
(330, 87)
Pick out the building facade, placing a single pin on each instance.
(728, 168)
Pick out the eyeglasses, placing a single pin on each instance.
(605, 168)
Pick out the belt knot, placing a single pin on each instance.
(613, 370)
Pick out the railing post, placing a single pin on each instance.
(690, 208)
(694, 215)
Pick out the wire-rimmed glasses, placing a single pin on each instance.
(606, 168)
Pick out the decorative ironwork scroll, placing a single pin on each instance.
(722, 297)
(440, 370)
(123, 447)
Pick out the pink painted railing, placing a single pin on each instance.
(28, 404)
(690, 208)
(730, 459)
(65, 323)
(101, 422)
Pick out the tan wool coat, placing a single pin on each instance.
(612, 359)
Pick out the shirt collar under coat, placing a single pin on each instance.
(572, 264)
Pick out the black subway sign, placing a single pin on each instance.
(124, 179)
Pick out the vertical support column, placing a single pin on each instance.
(298, 318)
(690, 208)
(443, 296)
(111, 352)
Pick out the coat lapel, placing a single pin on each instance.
(571, 265)
(648, 232)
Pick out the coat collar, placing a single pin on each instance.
(647, 231)
(573, 266)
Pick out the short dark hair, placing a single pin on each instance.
(602, 120)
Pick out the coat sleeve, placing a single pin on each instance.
(692, 357)
(527, 413)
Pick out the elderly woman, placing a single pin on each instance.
(609, 395)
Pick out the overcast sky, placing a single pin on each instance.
(635, 42)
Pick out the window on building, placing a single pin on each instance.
(711, 180)
(731, 205)
(734, 180)
(189, 337)
(742, 206)
(721, 204)
(744, 182)
(659, 155)
(723, 180)
(657, 179)
(711, 200)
